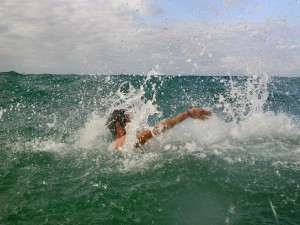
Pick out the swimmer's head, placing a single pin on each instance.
(117, 116)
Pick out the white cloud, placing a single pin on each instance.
(97, 36)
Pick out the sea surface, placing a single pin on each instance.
(241, 166)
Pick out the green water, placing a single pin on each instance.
(57, 167)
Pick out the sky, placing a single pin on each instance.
(173, 37)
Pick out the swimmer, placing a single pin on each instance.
(118, 119)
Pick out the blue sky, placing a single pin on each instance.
(231, 12)
(191, 37)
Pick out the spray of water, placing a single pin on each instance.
(246, 96)
(247, 124)
(273, 210)
(247, 121)
(1, 113)
(139, 110)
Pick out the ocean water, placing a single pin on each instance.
(242, 166)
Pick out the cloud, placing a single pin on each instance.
(112, 37)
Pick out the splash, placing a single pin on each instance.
(273, 210)
(93, 134)
(1, 112)
(247, 115)
(247, 125)
(247, 121)
(246, 96)
(134, 101)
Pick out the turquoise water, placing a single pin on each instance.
(239, 167)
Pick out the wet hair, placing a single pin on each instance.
(118, 115)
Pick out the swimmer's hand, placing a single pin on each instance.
(201, 114)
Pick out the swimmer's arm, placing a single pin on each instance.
(143, 137)
(159, 128)
(167, 124)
